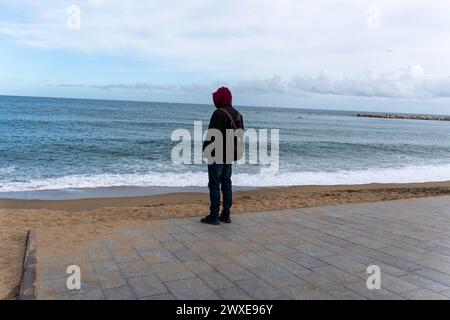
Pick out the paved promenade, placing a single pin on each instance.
(309, 253)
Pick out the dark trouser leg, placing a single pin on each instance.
(227, 190)
(214, 175)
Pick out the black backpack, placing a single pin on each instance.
(237, 125)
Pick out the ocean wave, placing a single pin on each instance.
(7, 170)
(409, 174)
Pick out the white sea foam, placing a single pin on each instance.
(265, 178)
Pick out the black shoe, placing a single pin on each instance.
(224, 219)
(210, 220)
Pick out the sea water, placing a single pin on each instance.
(65, 144)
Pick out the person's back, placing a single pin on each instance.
(224, 119)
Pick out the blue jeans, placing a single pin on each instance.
(220, 179)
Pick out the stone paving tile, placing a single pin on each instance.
(295, 269)
(439, 242)
(134, 268)
(262, 239)
(441, 249)
(208, 236)
(230, 248)
(158, 255)
(397, 285)
(445, 293)
(442, 265)
(232, 293)
(215, 280)
(436, 255)
(234, 272)
(89, 280)
(66, 294)
(185, 255)
(381, 294)
(252, 246)
(184, 236)
(387, 268)
(281, 261)
(335, 249)
(171, 271)
(191, 289)
(99, 255)
(337, 232)
(122, 293)
(261, 290)
(88, 294)
(306, 260)
(348, 265)
(424, 294)
(236, 238)
(280, 248)
(147, 286)
(212, 257)
(313, 250)
(250, 260)
(434, 275)
(336, 275)
(192, 227)
(425, 283)
(113, 279)
(174, 245)
(307, 253)
(51, 273)
(367, 242)
(198, 246)
(277, 276)
(307, 292)
(112, 240)
(105, 266)
(402, 244)
(396, 261)
(167, 296)
(163, 236)
(346, 294)
(52, 288)
(142, 248)
(402, 253)
(198, 267)
(125, 254)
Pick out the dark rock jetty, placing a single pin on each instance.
(404, 116)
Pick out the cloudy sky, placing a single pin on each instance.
(362, 55)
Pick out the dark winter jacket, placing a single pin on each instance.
(220, 120)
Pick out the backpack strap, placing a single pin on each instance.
(230, 117)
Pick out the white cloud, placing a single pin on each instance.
(404, 83)
(141, 86)
(411, 83)
(312, 52)
(237, 39)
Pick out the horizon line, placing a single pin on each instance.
(168, 102)
(206, 104)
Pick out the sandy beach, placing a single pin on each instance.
(65, 222)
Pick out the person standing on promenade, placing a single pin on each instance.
(225, 119)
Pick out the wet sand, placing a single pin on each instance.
(65, 222)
